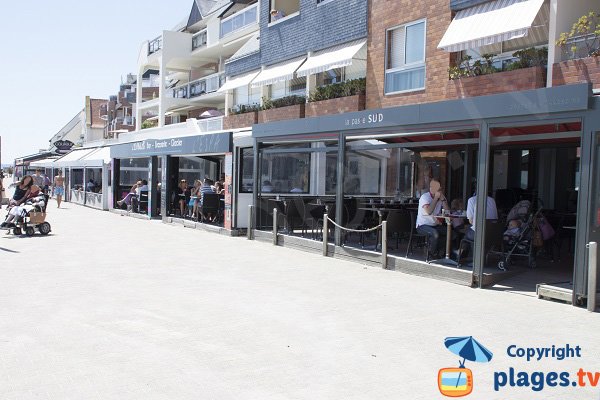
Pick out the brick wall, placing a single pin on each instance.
(195, 113)
(238, 121)
(387, 14)
(500, 82)
(575, 71)
(335, 106)
(282, 113)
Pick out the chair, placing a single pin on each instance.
(142, 202)
(494, 241)
(414, 235)
(210, 205)
(394, 222)
(312, 214)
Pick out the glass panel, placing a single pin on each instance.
(246, 170)
(286, 173)
(405, 80)
(415, 43)
(192, 168)
(94, 180)
(133, 170)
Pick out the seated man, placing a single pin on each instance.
(430, 204)
(491, 213)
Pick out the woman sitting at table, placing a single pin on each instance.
(132, 193)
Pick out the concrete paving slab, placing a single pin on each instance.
(111, 307)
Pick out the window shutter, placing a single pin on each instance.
(396, 43)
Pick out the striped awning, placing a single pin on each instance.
(238, 81)
(277, 73)
(335, 57)
(493, 22)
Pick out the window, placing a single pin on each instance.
(279, 9)
(133, 169)
(239, 20)
(332, 76)
(246, 95)
(296, 86)
(405, 58)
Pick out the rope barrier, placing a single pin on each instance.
(355, 230)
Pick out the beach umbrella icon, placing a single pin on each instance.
(469, 349)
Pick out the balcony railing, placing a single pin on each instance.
(580, 47)
(239, 20)
(199, 40)
(211, 124)
(155, 45)
(196, 88)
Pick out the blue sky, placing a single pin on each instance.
(54, 53)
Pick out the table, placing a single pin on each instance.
(448, 219)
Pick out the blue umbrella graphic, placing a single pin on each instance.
(469, 349)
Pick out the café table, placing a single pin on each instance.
(448, 219)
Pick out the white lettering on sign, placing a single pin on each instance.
(176, 142)
(161, 145)
(138, 146)
(369, 119)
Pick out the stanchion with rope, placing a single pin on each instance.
(383, 225)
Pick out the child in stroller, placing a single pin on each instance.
(27, 212)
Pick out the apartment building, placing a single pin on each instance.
(189, 61)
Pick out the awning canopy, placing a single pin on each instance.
(489, 23)
(278, 73)
(97, 158)
(72, 159)
(334, 57)
(238, 81)
(46, 162)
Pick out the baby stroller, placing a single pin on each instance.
(520, 241)
(31, 217)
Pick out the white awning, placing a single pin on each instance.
(277, 73)
(46, 162)
(489, 23)
(97, 158)
(334, 57)
(72, 159)
(238, 81)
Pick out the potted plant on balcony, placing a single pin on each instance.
(241, 116)
(337, 98)
(585, 30)
(288, 107)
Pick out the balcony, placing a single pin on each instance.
(211, 124)
(155, 45)
(199, 87)
(239, 20)
(199, 40)
(580, 47)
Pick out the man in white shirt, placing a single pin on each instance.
(491, 213)
(431, 204)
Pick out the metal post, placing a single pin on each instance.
(325, 234)
(250, 221)
(592, 276)
(482, 185)
(275, 227)
(384, 245)
(339, 193)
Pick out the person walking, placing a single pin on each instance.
(58, 187)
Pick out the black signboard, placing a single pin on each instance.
(63, 146)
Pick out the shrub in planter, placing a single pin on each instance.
(282, 102)
(335, 90)
(244, 108)
(528, 58)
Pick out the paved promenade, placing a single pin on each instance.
(112, 307)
